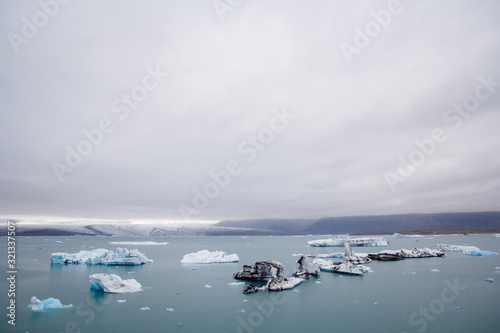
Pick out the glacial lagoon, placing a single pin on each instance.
(447, 294)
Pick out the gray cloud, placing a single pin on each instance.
(353, 120)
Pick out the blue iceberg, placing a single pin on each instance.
(47, 304)
(480, 253)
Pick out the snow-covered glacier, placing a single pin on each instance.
(101, 257)
(207, 257)
(112, 283)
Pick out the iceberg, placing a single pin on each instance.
(480, 253)
(398, 235)
(391, 255)
(236, 284)
(282, 283)
(260, 271)
(47, 304)
(207, 257)
(307, 267)
(358, 241)
(112, 283)
(466, 249)
(331, 255)
(495, 235)
(101, 257)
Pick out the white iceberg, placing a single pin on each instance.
(47, 304)
(466, 249)
(101, 257)
(207, 257)
(457, 248)
(112, 283)
(283, 283)
(398, 235)
(489, 280)
(495, 235)
(139, 243)
(331, 255)
(357, 241)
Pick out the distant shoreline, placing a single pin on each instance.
(438, 232)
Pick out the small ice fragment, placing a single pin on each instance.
(170, 310)
(434, 270)
(58, 242)
(489, 280)
(208, 286)
(242, 310)
(145, 308)
(195, 268)
(375, 303)
(245, 300)
(121, 300)
(236, 284)
(318, 282)
(457, 308)
(497, 268)
(180, 325)
(131, 272)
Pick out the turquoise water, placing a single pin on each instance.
(404, 296)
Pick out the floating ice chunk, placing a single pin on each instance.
(58, 242)
(236, 284)
(47, 304)
(207, 257)
(139, 243)
(112, 283)
(457, 248)
(101, 257)
(398, 235)
(435, 270)
(208, 286)
(307, 267)
(495, 235)
(497, 268)
(242, 310)
(121, 300)
(169, 310)
(480, 253)
(490, 280)
(317, 281)
(145, 308)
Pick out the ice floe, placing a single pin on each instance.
(112, 283)
(101, 257)
(47, 304)
(490, 280)
(435, 270)
(495, 235)
(207, 257)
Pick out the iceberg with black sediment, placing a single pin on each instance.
(355, 241)
(272, 272)
(122, 256)
(307, 267)
(47, 304)
(112, 283)
(391, 255)
(207, 257)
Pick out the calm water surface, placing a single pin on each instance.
(404, 296)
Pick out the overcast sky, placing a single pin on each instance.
(351, 106)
